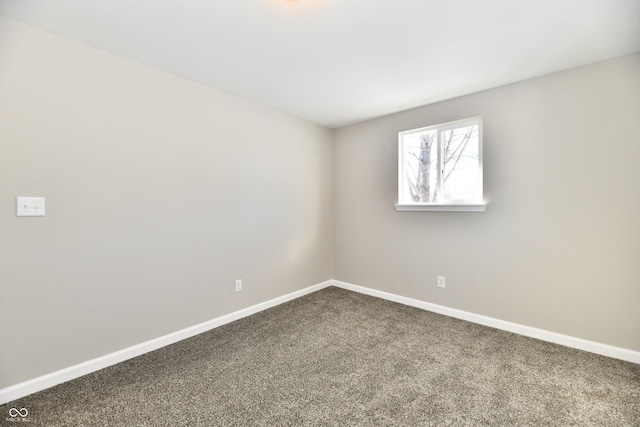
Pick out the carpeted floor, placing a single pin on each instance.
(338, 358)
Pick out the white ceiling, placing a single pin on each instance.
(336, 62)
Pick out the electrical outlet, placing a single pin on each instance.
(442, 282)
(238, 287)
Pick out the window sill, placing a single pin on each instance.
(434, 207)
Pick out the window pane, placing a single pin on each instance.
(461, 170)
(420, 167)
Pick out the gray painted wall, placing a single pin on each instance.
(558, 246)
(159, 193)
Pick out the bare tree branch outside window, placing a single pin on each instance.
(442, 165)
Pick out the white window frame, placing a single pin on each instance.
(448, 205)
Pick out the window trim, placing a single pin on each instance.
(449, 205)
(441, 207)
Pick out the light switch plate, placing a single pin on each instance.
(30, 206)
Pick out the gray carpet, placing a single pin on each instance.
(338, 358)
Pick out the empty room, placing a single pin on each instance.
(320, 213)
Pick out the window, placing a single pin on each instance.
(440, 167)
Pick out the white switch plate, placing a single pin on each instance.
(30, 206)
(238, 287)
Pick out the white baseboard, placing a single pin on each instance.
(34, 385)
(541, 334)
(43, 382)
